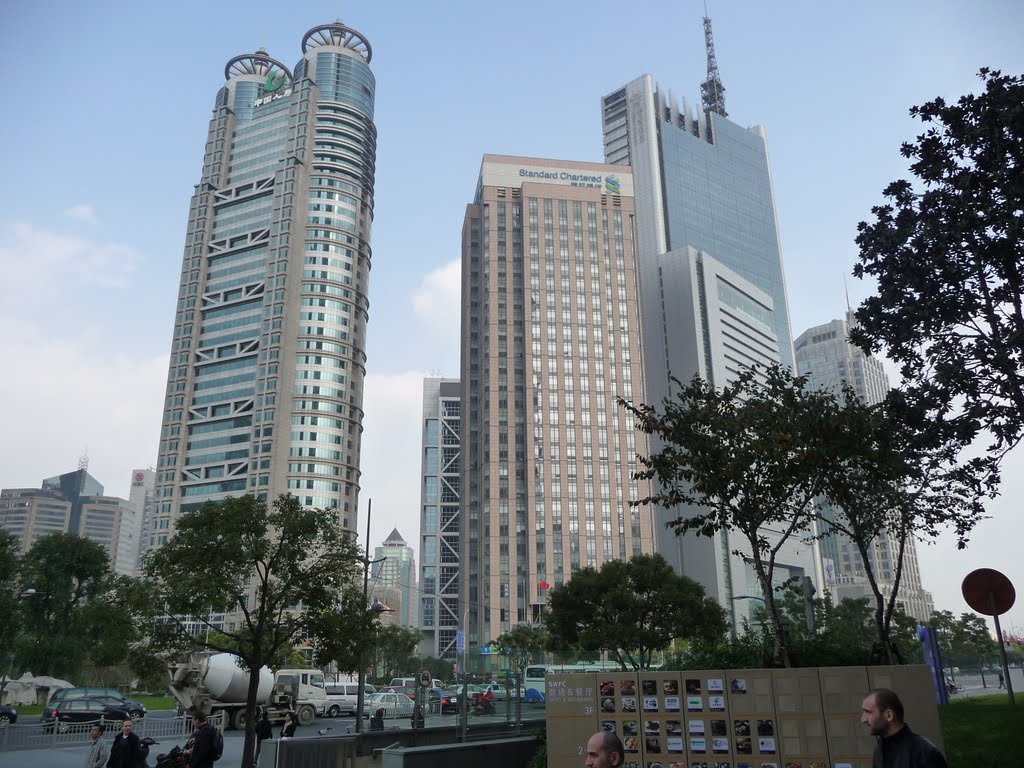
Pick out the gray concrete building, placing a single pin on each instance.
(440, 517)
(550, 339)
(73, 503)
(265, 385)
(825, 355)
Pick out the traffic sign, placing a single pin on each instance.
(425, 678)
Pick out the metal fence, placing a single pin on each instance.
(45, 735)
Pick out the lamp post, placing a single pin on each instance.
(378, 607)
(28, 594)
(463, 706)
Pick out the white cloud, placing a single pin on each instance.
(36, 262)
(65, 395)
(438, 300)
(390, 456)
(82, 212)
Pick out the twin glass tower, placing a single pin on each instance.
(265, 384)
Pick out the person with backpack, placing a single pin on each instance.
(207, 743)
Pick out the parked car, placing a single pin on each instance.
(84, 710)
(393, 704)
(135, 708)
(448, 701)
(343, 698)
(8, 715)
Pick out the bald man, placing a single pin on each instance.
(604, 750)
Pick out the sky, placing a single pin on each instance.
(106, 105)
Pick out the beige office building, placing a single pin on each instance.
(550, 339)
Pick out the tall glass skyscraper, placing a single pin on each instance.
(712, 290)
(265, 385)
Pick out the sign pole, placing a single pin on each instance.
(1002, 649)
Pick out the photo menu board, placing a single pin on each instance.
(799, 718)
(571, 702)
(850, 745)
(782, 718)
(706, 719)
(662, 719)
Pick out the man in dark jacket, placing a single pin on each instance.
(126, 751)
(202, 754)
(898, 746)
(263, 732)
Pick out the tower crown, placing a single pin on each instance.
(337, 34)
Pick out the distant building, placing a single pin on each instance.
(140, 499)
(440, 529)
(825, 355)
(395, 578)
(73, 503)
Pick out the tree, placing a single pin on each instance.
(280, 569)
(947, 253)
(747, 458)
(520, 646)
(393, 650)
(902, 479)
(59, 576)
(630, 609)
(9, 607)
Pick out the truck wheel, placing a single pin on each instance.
(334, 711)
(238, 719)
(305, 714)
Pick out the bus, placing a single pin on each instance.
(534, 678)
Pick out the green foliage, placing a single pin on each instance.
(964, 641)
(392, 652)
(630, 609)
(750, 456)
(521, 645)
(281, 569)
(439, 668)
(66, 572)
(947, 254)
(906, 479)
(9, 607)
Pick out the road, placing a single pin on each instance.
(973, 687)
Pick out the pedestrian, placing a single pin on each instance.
(1002, 683)
(288, 729)
(97, 757)
(126, 751)
(201, 751)
(898, 746)
(604, 750)
(263, 732)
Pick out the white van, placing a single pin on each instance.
(343, 698)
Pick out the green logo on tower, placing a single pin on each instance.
(274, 81)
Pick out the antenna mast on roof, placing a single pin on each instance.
(712, 92)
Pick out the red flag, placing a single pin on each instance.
(543, 584)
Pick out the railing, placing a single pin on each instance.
(47, 734)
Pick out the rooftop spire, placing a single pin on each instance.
(712, 92)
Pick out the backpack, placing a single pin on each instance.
(218, 744)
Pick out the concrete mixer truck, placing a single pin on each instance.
(214, 682)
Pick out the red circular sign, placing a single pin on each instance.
(138, 475)
(988, 592)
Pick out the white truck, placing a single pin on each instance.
(214, 682)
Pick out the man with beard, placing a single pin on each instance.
(898, 746)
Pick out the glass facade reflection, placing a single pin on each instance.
(264, 391)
